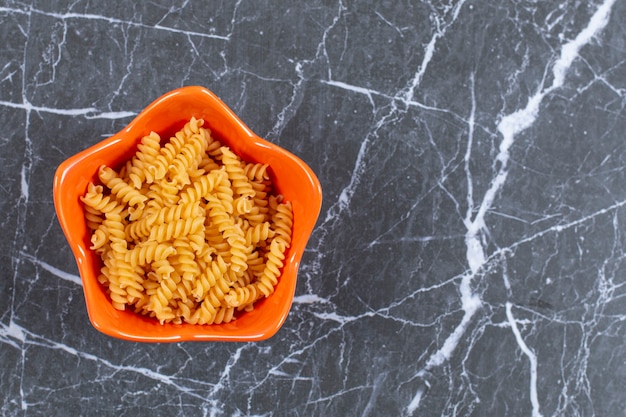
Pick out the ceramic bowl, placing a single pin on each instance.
(166, 115)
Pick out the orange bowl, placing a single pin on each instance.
(166, 115)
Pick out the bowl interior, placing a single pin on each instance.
(166, 115)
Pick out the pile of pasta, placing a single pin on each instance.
(187, 231)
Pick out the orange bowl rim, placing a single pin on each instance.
(149, 330)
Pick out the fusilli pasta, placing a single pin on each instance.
(187, 231)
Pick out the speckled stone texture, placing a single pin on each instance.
(469, 256)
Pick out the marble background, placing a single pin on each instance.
(468, 257)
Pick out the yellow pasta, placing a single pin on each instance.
(187, 231)
(147, 151)
(257, 172)
(269, 278)
(236, 174)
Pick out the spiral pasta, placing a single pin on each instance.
(187, 231)
(256, 172)
(147, 151)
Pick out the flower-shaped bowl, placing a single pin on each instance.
(166, 115)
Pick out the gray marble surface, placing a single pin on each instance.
(469, 256)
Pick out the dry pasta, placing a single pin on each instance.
(187, 230)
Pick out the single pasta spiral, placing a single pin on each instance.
(120, 188)
(269, 279)
(146, 253)
(147, 151)
(203, 186)
(243, 295)
(257, 172)
(97, 201)
(236, 174)
(176, 228)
